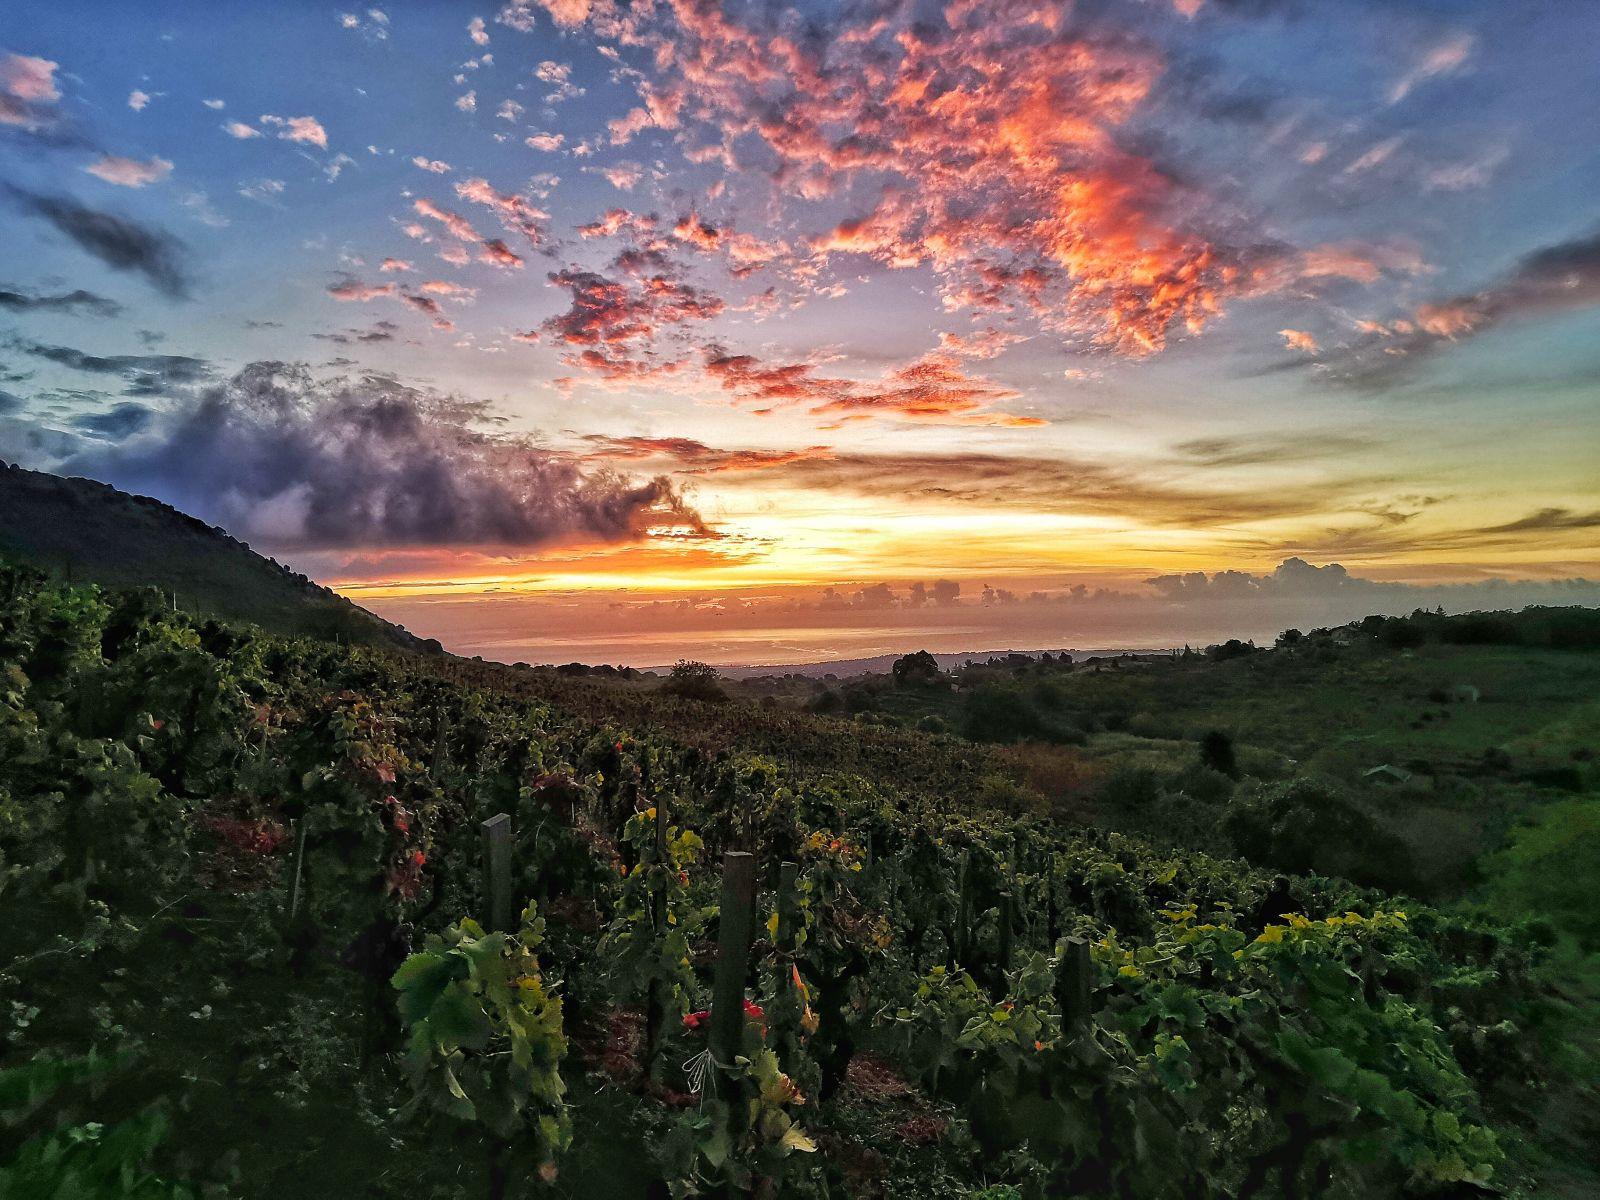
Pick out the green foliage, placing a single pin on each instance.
(646, 945)
(151, 768)
(122, 541)
(484, 1036)
(745, 1132)
(993, 713)
(72, 1157)
(1309, 824)
(1281, 1034)
(1549, 869)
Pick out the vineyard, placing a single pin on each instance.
(288, 918)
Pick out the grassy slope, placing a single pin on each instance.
(91, 532)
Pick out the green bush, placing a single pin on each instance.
(1309, 824)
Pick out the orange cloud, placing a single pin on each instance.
(696, 458)
(933, 389)
(961, 125)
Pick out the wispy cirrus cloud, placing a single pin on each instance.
(1562, 277)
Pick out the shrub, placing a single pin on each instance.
(1309, 824)
(695, 681)
(1131, 786)
(1216, 754)
(918, 670)
(998, 714)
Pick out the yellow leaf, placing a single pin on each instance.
(795, 1140)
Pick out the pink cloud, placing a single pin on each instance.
(129, 172)
(27, 90)
(952, 127)
(1445, 58)
(933, 389)
(624, 176)
(29, 78)
(353, 290)
(299, 129)
(515, 212)
(458, 226)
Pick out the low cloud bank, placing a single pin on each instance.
(298, 464)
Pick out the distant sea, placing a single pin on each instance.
(742, 653)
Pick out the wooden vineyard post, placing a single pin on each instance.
(441, 750)
(497, 872)
(788, 879)
(733, 954)
(1007, 919)
(1052, 917)
(297, 871)
(962, 945)
(655, 1006)
(1073, 974)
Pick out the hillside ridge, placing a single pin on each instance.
(93, 532)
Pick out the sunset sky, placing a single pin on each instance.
(768, 333)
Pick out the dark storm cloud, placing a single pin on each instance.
(146, 374)
(275, 455)
(381, 331)
(78, 300)
(116, 423)
(119, 242)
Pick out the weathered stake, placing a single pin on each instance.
(441, 749)
(297, 874)
(655, 1008)
(1007, 919)
(497, 872)
(1074, 972)
(963, 946)
(788, 879)
(733, 953)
